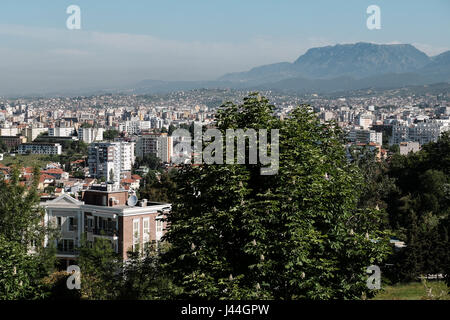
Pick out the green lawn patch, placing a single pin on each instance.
(414, 291)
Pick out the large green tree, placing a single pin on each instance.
(419, 209)
(24, 261)
(100, 267)
(235, 233)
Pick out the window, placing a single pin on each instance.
(136, 234)
(88, 223)
(146, 231)
(59, 222)
(72, 226)
(159, 225)
(66, 245)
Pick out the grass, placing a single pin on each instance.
(25, 160)
(414, 291)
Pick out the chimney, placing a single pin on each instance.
(143, 203)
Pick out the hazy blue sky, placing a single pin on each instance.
(122, 42)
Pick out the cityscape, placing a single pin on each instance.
(99, 198)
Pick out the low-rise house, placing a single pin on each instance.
(104, 213)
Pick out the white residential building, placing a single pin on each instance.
(365, 121)
(110, 159)
(358, 135)
(40, 148)
(90, 135)
(61, 132)
(33, 133)
(422, 132)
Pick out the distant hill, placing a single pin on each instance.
(331, 68)
(358, 60)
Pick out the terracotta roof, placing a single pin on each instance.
(128, 181)
(44, 177)
(28, 170)
(57, 171)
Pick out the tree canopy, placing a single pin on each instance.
(235, 233)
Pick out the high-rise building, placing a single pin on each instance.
(364, 120)
(109, 159)
(90, 135)
(159, 145)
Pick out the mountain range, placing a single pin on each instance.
(331, 68)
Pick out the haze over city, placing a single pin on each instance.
(120, 44)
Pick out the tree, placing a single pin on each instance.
(419, 207)
(3, 146)
(24, 261)
(149, 160)
(100, 268)
(86, 125)
(111, 175)
(172, 128)
(377, 184)
(158, 186)
(235, 233)
(16, 268)
(110, 134)
(144, 277)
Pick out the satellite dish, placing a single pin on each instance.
(132, 201)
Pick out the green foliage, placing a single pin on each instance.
(86, 125)
(20, 214)
(144, 278)
(99, 266)
(149, 160)
(377, 184)
(24, 262)
(17, 270)
(110, 134)
(56, 284)
(159, 187)
(3, 147)
(419, 209)
(298, 234)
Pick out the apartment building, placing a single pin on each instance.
(135, 127)
(33, 133)
(61, 132)
(422, 132)
(13, 142)
(40, 148)
(104, 213)
(110, 159)
(157, 144)
(90, 135)
(365, 120)
(360, 135)
(10, 131)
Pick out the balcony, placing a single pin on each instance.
(102, 232)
